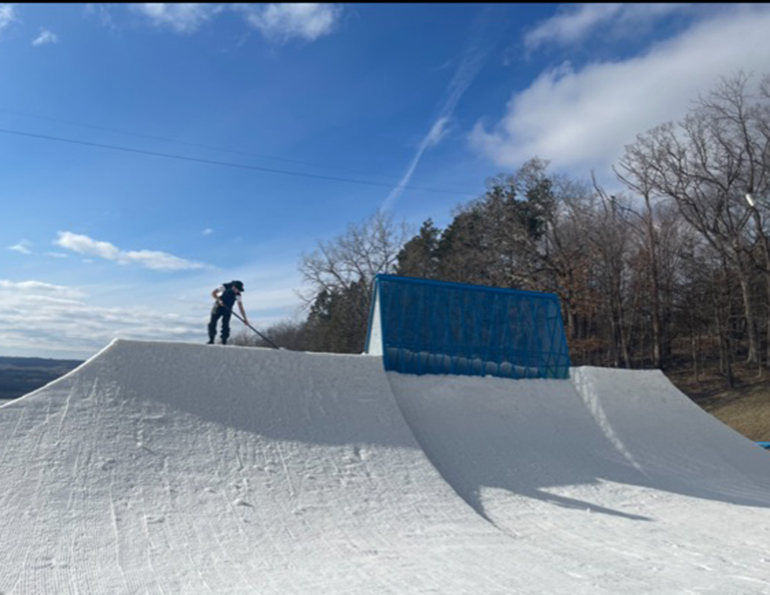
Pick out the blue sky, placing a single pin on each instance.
(151, 152)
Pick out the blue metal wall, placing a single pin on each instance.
(435, 327)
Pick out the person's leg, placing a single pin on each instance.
(226, 325)
(215, 314)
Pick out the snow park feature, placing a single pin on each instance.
(173, 468)
(421, 326)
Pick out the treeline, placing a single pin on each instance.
(676, 265)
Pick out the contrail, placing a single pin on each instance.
(470, 65)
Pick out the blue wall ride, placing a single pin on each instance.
(421, 326)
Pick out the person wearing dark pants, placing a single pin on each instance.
(226, 295)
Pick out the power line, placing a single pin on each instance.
(211, 147)
(222, 163)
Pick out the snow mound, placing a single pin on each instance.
(177, 468)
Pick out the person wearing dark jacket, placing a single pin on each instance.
(226, 295)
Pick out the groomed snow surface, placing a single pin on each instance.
(166, 468)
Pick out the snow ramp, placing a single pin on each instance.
(182, 469)
(616, 469)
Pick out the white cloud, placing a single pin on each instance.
(277, 22)
(282, 22)
(48, 320)
(584, 117)
(45, 319)
(85, 245)
(45, 37)
(182, 17)
(102, 13)
(207, 232)
(571, 25)
(577, 21)
(160, 261)
(21, 247)
(7, 15)
(38, 289)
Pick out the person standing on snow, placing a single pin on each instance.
(225, 295)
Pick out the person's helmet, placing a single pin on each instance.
(238, 285)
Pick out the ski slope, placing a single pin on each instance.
(172, 468)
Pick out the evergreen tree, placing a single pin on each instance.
(419, 256)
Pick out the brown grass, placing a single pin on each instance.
(745, 408)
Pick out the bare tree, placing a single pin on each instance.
(340, 274)
(564, 254)
(611, 245)
(657, 229)
(705, 164)
(359, 254)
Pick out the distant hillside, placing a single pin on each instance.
(21, 375)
